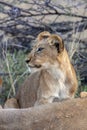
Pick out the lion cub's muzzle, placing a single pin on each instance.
(32, 66)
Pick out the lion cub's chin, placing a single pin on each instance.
(45, 66)
(34, 69)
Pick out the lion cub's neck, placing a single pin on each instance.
(52, 81)
(55, 73)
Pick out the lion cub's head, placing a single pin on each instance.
(45, 53)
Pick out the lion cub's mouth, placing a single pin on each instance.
(35, 66)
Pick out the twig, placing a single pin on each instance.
(56, 12)
(11, 6)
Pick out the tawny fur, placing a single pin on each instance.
(52, 74)
(83, 94)
(66, 115)
(11, 103)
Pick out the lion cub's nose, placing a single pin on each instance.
(27, 61)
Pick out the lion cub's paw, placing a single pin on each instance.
(11, 103)
(83, 94)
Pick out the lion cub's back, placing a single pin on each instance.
(27, 94)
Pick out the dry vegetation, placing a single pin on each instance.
(21, 21)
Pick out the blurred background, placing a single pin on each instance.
(20, 23)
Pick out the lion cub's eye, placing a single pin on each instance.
(39, 49)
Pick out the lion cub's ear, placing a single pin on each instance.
(43, 35)
(56, 41)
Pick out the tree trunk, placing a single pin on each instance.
(65, 115)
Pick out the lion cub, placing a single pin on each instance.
(52, 75)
